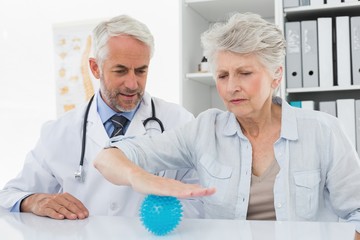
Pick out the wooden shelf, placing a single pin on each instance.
(204, 78)
(326, 10)
(323, 89)
(216, 10)
(198, 91)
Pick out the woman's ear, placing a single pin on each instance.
(94, 67)
(277, 77)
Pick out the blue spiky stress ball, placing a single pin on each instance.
(160, 214)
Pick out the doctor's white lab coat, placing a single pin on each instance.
(50, 166)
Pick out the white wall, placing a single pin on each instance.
(27, 82)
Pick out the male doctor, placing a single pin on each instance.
(46, 186)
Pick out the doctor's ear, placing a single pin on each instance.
(94, 67)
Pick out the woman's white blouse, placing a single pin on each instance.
(319, 177)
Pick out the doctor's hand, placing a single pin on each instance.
(57, 206)
(357, 236)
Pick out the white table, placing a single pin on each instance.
(27, 226)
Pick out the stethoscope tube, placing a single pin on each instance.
(79, 174)
(153, 117)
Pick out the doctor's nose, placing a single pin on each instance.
(131, 81)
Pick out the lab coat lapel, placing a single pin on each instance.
(95, 128)
(136, 126)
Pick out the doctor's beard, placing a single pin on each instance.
(115, 98)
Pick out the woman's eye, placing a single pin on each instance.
(222, 76)
(246, 73)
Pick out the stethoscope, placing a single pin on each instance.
(79, 174)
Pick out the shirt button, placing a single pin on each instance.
(279, 205)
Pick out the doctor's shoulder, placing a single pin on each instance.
(171, 113)
(212, 116)
(208, 120)
(70, 121)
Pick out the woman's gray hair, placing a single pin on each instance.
(120, 25)
(246, 33)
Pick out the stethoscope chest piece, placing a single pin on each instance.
(80, 174)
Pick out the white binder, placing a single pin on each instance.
(304, 2)
(309, 50)
(290, 3)
(316, 2)
(333, 1)
(293, 55)
(357, 124)
(355, 49)
(325, 36)
(343, 51)
(328, 107)
(308, 104)
(346, 115)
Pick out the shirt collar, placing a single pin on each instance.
(288, 122)
(231, 125)
(289, 128)
(105, 112)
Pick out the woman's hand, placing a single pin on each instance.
(118, 169)
(147, 183)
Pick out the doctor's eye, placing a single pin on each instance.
(121, 71)
(140, 71)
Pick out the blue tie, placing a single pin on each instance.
(119, 123)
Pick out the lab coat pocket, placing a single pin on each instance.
(215, 174)
(307, 193)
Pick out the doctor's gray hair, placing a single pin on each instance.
(120, 25)
(246, 33)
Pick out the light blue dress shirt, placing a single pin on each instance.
(319, 177)
(105, 113)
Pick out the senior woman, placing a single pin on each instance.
(261, 159)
